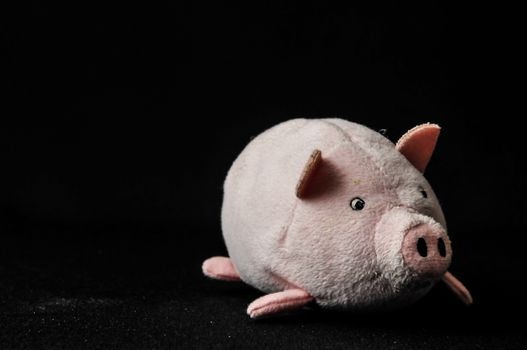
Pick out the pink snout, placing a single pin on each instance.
(427, 251)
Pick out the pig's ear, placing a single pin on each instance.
(313, 163)
(418, 144)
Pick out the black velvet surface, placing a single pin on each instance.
(119, 122)
(124, 292)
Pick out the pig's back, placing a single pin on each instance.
(259, 193)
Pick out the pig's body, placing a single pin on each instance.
(362, 257)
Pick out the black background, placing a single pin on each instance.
(120, 122)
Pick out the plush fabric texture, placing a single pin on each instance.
(278, 302)
(418, 144)
(309, 171)
(428, 260)
(220, 268)
(341, 256)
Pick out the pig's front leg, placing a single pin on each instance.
(220, 268)
(458, 288)
(274, 303)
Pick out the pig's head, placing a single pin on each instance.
(367, 230)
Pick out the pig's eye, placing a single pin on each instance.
(357, 203)
(423, 192)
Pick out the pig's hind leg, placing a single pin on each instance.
(274, 303)
(458, 288)
(220, 268)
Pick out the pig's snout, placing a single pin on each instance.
(427, 251)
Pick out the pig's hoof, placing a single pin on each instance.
(270, 304)
(220, 268)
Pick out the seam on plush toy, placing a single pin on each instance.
(285, 230)
(351, 139)
(377, 166)
(283, 234)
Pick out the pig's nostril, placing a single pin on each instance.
(422, 249)
(441, 247)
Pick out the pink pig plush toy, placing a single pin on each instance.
(329, 211)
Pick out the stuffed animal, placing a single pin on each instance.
(332, 212)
